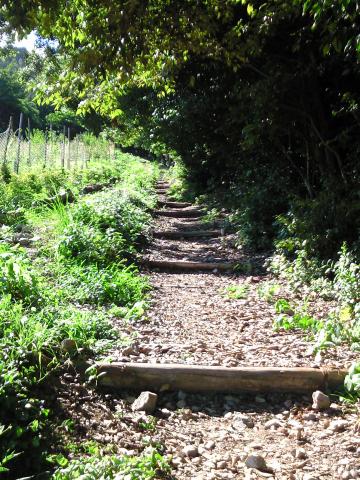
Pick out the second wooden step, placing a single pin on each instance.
(178, 213)
(178, 235)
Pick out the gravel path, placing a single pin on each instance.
(192, 320)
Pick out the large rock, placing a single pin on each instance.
(146, 402)
(320, 401)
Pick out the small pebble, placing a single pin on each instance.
(300, 454)
(190, 451)
(273, 423)
(257, 462)
(210, 445)
(221, 465)
(259, 399)
(338, 426)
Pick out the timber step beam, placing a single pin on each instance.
(186, 265)
(177, 213)
(173, 204)
(194, 378)
(177, 235)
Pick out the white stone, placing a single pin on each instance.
(300, 454)
(146, 402)
(273, 423)
(221, 465)
(210, 445)
(338, 425)
(320, 401)
(190, 451)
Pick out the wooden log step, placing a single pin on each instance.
(176, 235)
(187, 265)
(171, 204)
(196, 378)
(179, 213)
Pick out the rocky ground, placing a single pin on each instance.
(192, 320)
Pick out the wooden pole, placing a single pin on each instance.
(162, 203)
(178, 234)
(76, 151)
(29, 142)
(9, 132)
(50, 146)
(68, 158)
(63, 149)
(17, 159)
(192, 378)
(45, 147)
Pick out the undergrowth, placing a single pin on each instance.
(337, 280)
(69, 288)
(148, 466)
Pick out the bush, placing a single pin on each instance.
(115, 284)
(87, 244)
(105, 228)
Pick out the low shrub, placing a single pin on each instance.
(116, 284)
(148, 466)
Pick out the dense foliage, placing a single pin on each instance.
(69, 288)
(257, 97)
(20, 73)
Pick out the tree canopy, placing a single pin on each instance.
(261, 96)
(111, 44)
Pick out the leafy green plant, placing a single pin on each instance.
(290, 318)
(60, 296)
(352, 384)
(237, 291)
(116, 284)
(16, 277)
(149, 425)
(283, 306)
(268, 292)
(146, 467)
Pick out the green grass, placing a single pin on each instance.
(79, 279)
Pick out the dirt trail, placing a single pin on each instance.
(208, 437)
(192, 320)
